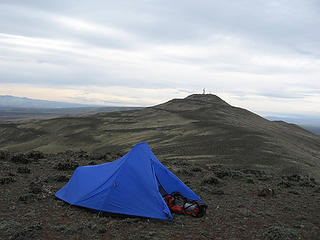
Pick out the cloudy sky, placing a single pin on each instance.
(260, 55)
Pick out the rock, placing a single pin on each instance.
(280, 233)
(266, 192)
(245, 212)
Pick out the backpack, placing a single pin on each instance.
(179, 204)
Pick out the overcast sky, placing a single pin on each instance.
(260, 55)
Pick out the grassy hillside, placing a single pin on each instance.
(200, 128)
(19, 113)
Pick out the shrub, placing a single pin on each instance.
(35, 187)
(4, 155)
(20, 158)
(210, 179)
(67, 166)
(36, 155)
(196, 169)
(184, 172)
(23, 170)
(27, 197)
(27, 233)
(7, 180)
(61, 178)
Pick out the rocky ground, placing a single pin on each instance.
(242, 203)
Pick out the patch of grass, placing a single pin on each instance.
(184, 172)
(196, 169)
(27, 197)
(280, 233)
(27, 233)
(24, 170)
(9, 226)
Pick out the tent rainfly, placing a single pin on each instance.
(129, 185)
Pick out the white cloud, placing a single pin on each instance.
(110, 96)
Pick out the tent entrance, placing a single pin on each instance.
(160, 188)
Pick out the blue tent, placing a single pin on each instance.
(128, 185)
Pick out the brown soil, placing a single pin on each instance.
(243, 203)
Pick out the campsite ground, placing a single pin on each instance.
(244, 203)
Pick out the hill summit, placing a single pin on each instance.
(208, 98)
(192, 102)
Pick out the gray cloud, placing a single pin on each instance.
(267, 48)
(281, 24)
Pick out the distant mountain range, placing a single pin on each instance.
(7, 101)
(16, 109)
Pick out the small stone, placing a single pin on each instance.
(266, 192)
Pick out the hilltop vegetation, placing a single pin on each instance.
(198, 128)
